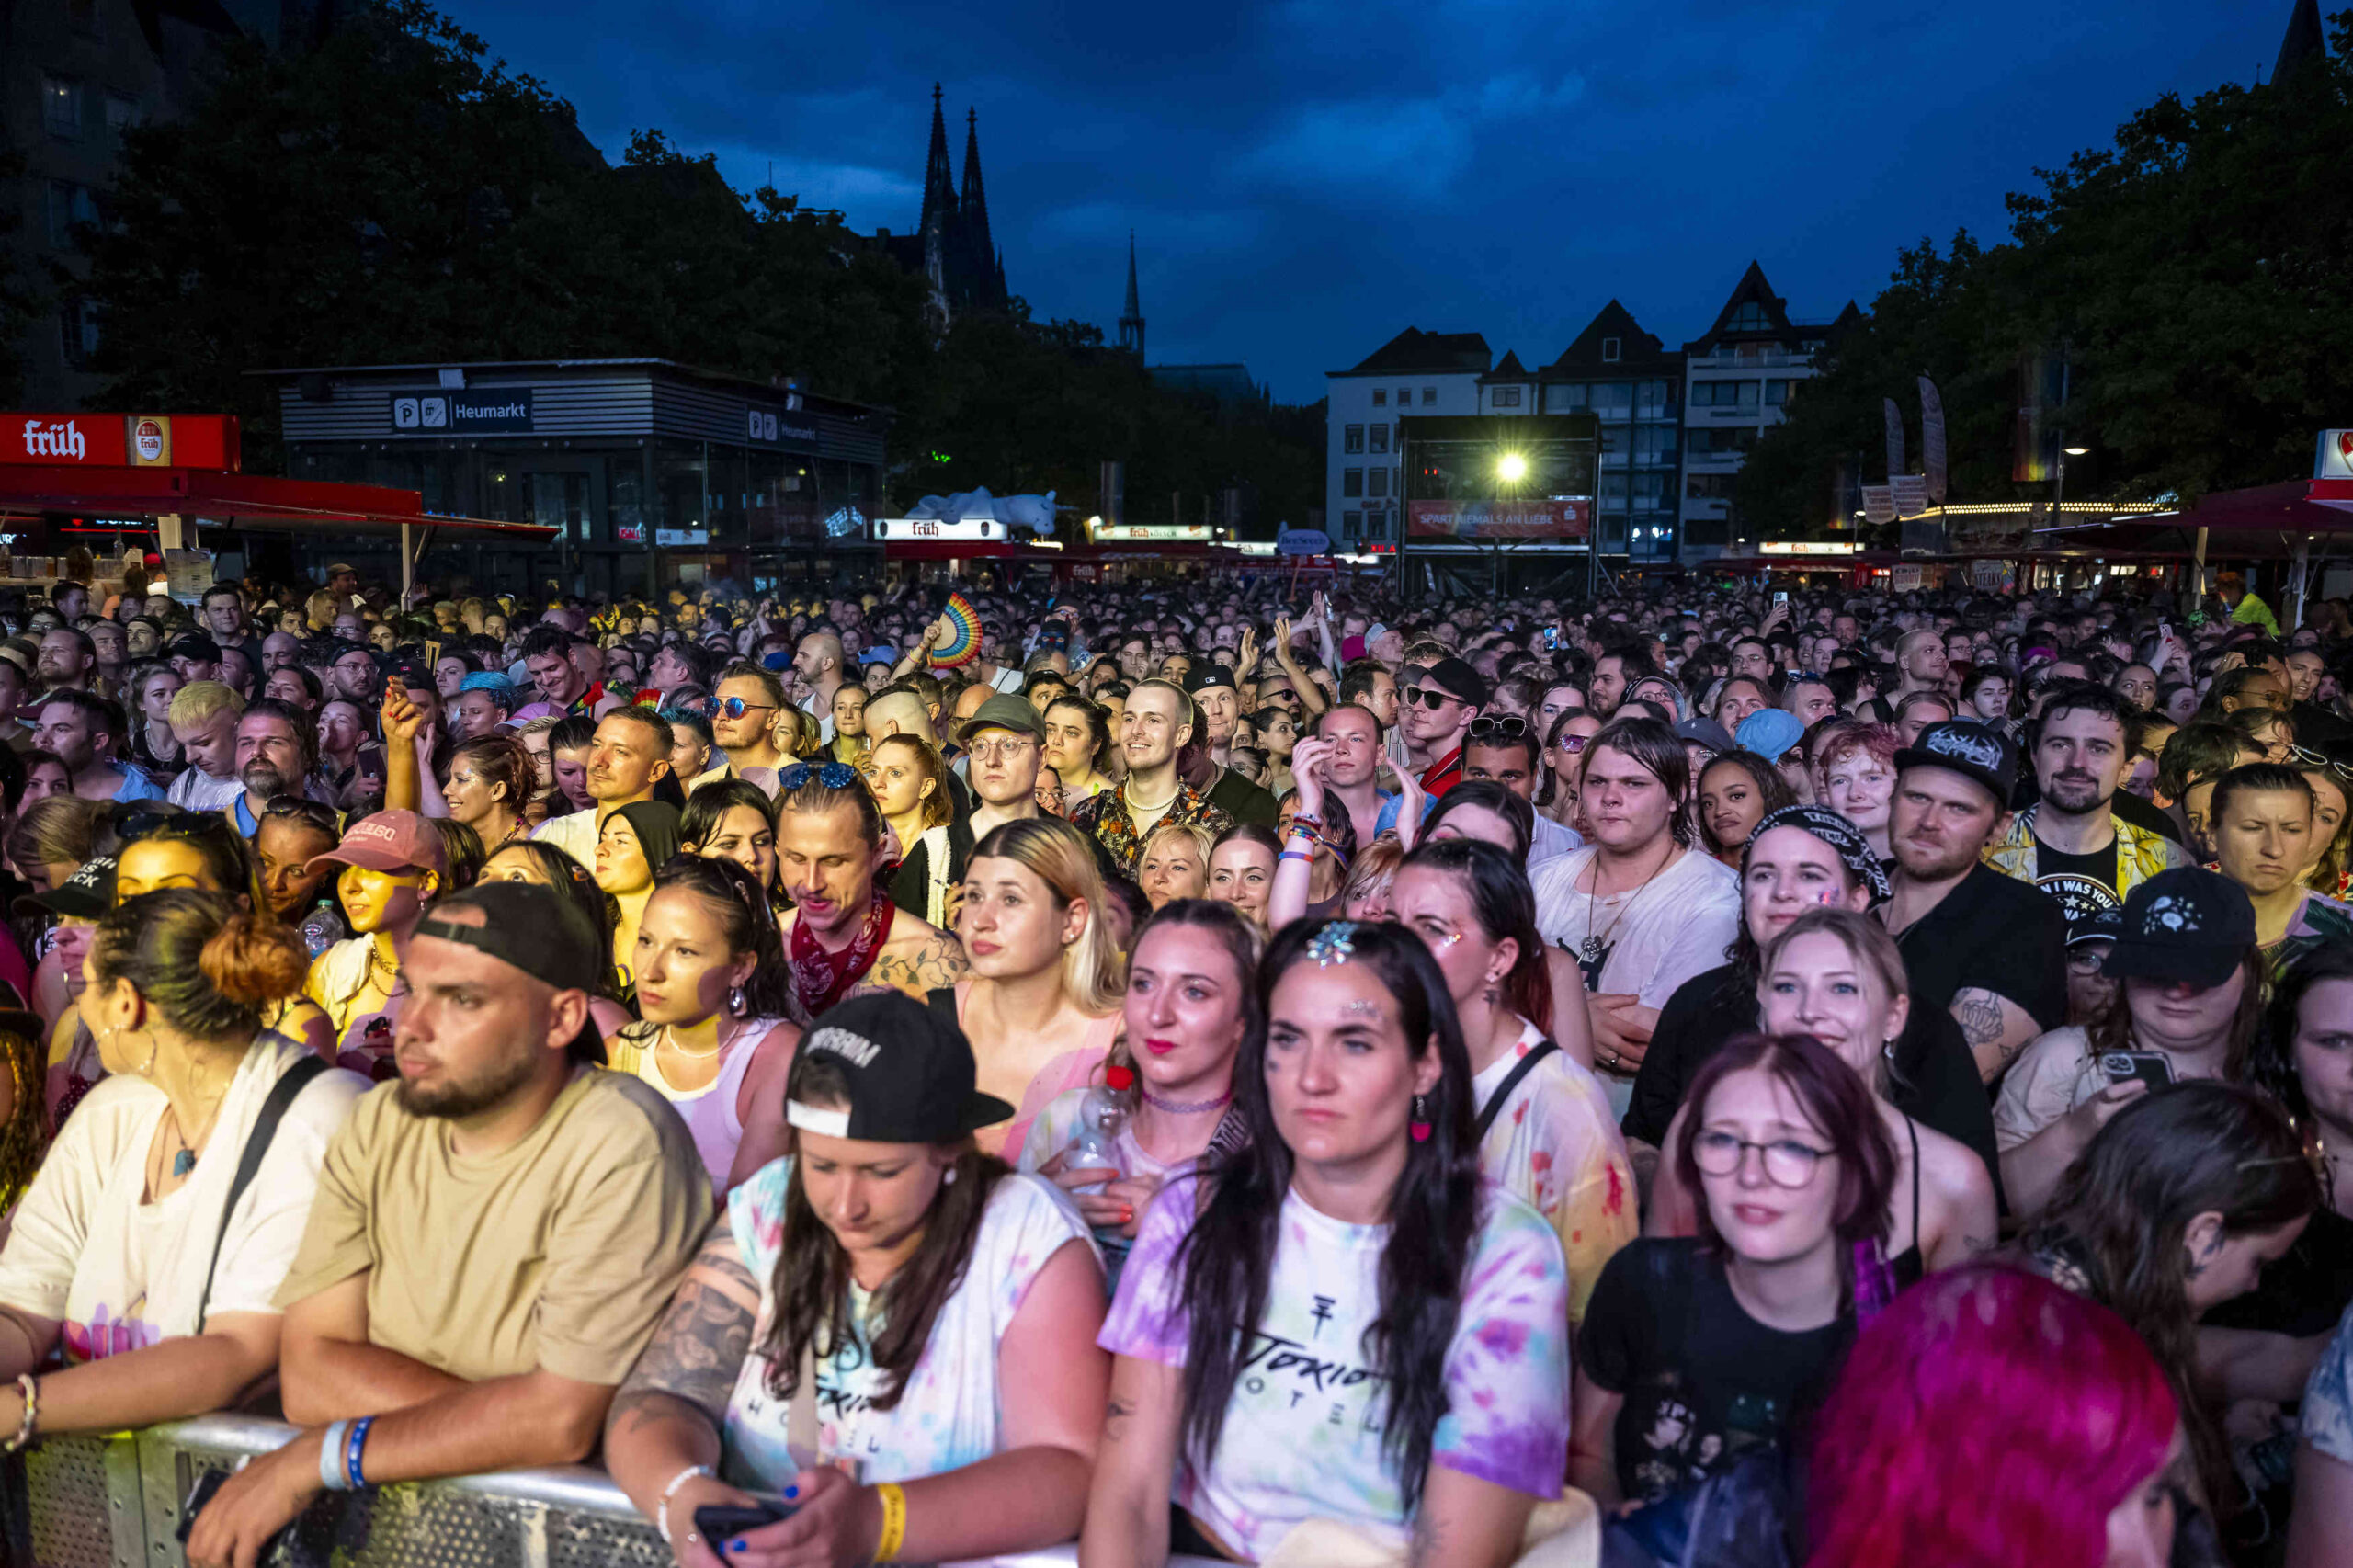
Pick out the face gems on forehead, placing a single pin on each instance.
(1335, 943)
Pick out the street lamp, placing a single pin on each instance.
(2059, 490)
(1511, 468)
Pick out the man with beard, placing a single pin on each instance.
(1613, 672)
(2072, 844)
(84, 733)
(1154, 728)
(277, 754)
(817, 665)
(491, 1244)
(355, 675)
(1989, 948)
(743, 711)
(844, 933)
(111, 645)
(68, 659)
(628, 756)
(280, 651)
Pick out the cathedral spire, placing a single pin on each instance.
(976, 202)
(938, 188)
(1132, 318)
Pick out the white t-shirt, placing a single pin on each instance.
(574, 832)
(121, 1275)
(1304, 1428)
(1551, 841)
(951, 1414)
(1653, 938)
(197, 791)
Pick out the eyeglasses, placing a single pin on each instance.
(2311, 758)
(1503, 726)
(733, 707)
(1786, 1161)
(833, 775)
(1574, 744)
(1428, 697)
(997, 751)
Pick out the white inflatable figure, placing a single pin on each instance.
(1035, 513)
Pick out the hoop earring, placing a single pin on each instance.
(735, 999)
(1420, 1126)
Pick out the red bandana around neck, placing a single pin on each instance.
(820, 978)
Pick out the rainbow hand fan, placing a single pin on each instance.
(963, 645)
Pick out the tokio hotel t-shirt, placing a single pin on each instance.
(1302, 1436)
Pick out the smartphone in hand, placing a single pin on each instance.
(2154, 1068)
(719, 1523)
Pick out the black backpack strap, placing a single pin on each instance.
(283, 1094)
(941, 999)
(1494, 1106)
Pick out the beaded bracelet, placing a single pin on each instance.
(662, 1509)
(358, 1447)
(29, 1387)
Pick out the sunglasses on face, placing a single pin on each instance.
(1574, 744)
(1503, 726)
(733, 707)
(1429, 697)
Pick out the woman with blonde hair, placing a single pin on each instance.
(1174, 863)
(909, 782)
(1046, 978)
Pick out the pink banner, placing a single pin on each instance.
(1497, 520)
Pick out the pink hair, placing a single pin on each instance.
(1988, 1418)
(1876, 739)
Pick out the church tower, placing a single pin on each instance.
(1132, 318)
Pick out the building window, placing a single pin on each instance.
(1724, 442)
(1381, 437)
(1613, 400)
(121, 115)
(1429, 397)
(1650, 489)
(1750, 317)
(1655, 444)
(1777, 393)
(1352, 525)
(1566, 398)
(1376, 524)
(60, 106)
(1723, 394)
(1613, 488)
(1380, 397)
(1352, 483)
(78, 330)
(1404, 397)
(1609, 350)
(1707, 486)
(1655, 400)
(1380, 486)
(1352, 438)
(1506, 397)
(69, 204)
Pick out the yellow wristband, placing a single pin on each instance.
(894, 1520)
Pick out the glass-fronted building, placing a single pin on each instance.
(654, 475)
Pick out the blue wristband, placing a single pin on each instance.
(331, 1456)
(358, 1447)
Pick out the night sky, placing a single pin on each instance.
(1306, 179)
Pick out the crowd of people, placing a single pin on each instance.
(1706, 1076)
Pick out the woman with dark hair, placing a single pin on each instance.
(910, 784)
(944, 1308)
(126, 1260)
(527, 860)
(1429, 1310)
(635, 838)
(1545, 1131)
(2190, 1006)
(714, 999)
(1078, 738)
(2176, 1208)
(1737, 790)
(1987, 1419)
(1242, 869)
(488, 786)
(728, 819)
(1482, 808)
(1192, 997)
(1698, 1348)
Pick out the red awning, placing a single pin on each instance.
(254, 500)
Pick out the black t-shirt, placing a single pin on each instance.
(1934, 1080)
(2084, 884)
(1243, 801)
(1992, 933)
(1703, 1382)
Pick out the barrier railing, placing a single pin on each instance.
(115, 1502)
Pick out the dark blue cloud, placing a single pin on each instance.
(1306, 178)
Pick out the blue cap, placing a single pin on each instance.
(780, 659)
(1769, 731)
(491, 681)
(878, 656)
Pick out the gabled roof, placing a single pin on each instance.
(1507, 368)
(1751, 288)
(2305, 43)
(1636, 347)
(1414, 350)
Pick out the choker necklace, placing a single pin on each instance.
(1184, 1107)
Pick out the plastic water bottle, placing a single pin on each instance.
(1095, 1145)
(321, 928)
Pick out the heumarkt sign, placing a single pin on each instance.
(482, 410)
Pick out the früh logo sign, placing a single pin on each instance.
(122, 441)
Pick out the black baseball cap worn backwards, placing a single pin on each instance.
(537, 929)
(910, 1073)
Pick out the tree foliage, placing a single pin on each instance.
(396, 195)
(2195, 275)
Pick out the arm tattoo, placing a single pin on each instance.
(1424, 1552)
(1979, 1016)
(1115, 1418)
(695, 1355)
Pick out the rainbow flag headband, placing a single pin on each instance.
(963, 645)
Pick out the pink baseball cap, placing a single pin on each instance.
(389, 841)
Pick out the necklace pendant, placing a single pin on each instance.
(1590, 949)
(183, 1163)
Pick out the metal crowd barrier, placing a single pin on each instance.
(115, 1503)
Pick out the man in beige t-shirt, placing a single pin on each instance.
(494, 1239)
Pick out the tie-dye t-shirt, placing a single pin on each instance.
(1555, 1144)
(2327, 1415)
(1302, 1432)
(949, 1414)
